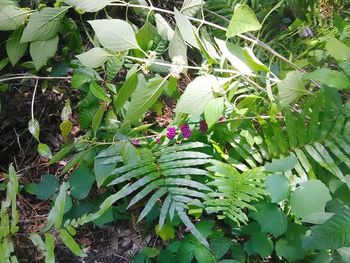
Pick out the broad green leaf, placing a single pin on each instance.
(291, 88)
(333, 234)
(145, 35)
(203, 255)
(270, 218)
(44, 150)
(97, 119)
(94, 58)
(12, 17)
(15, 49)
(253, 61)
(75, 160)
(115, 34)
(81, 181)
(34, 128)
(163, 27)
(66, 128)
(47, 187)
(278, 187)
(65, 150)
(281, 165)
(44, 24)
(88, 5)
(243, 20)
(42, 51)
(331, 78)
(143, 99)
(213, 111)
(128, 88)
(99, 92)
(69, 241)
(191, 7)
(150, 252)
(290, 249)
(234, 55)
(197, 94)
(309, 198)
(186, 29)
(130, 154)
(4, 3)
(260, 244)
(178, 49)
(338, 50)
(167, 232)
(219, 246)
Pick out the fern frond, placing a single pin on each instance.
(234, 191)
(169, 172)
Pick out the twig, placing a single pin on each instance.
(34, 77)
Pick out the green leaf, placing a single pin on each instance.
(186, 29)
(259, 243)
(338, 50)
(15, 49)
(94, 58)
(278, 187)
(178, 49)
(65, 150)
(291, 88)
(128, 88)
(331, 78)
(70, 243)
(4, 3)
(235, 55)
(143, 99)
(47, 187)
(219, 246)
(37, 241)
(97, 119)
(243, 20)
(150, 252)
(151, 202)
(309, 198)
(65, 128)
(270, 218)
(81, 181)
(34, 128)
(203, 255)
(281, 165)
(42, 51)
(115, 34)
(130, 154)
(191, 7)
(88, 5)
(166, 233)
(44, 150)
(213, 110)
(12, 17)
(99, 92)
(43, 25)
(197, 94)
(49, 248)
(55, 216)
(290, 249)
(333, 234)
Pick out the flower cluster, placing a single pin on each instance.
(185, 130)
(171, 133)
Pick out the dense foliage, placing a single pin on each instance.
(227, 118)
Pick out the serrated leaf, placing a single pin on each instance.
(42, 51)
(88, 5)
(81, 181)
(291, 88)
(213, 111)
(43, 25)
(219, 246)
(99, 92)
(44, 150)
(143, 99)
(243, 20)
(15, 49)
(115, 34)
(94, 58)
(12, 17)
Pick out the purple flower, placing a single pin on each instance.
(185, 130)
(171, 133)
(203, 126)
(135, 142)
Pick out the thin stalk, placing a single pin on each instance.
(33, 77)
(33, 99)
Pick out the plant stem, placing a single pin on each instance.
(33, 98)
(33, 77)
